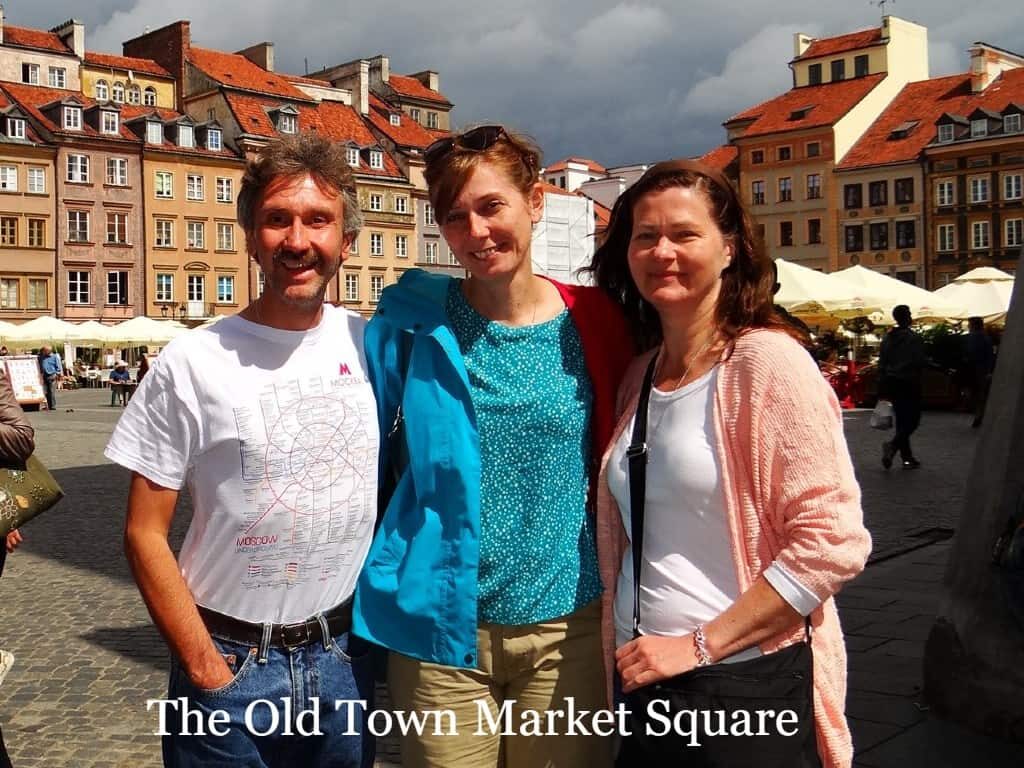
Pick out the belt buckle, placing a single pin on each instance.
(301, 632)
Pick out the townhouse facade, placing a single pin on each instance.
(125, 80)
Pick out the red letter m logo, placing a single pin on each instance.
(343, 370)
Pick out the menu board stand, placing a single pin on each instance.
(26, 379)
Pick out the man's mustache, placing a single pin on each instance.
(305, 257)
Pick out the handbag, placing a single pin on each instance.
(709, 717)
(26, 492)
(1008, 560)
(882, 416)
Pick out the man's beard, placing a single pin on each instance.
(307, 260)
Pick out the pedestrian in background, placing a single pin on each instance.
(52, 369)
(900, 364)
(981, 358)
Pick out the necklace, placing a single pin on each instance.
(700, 352)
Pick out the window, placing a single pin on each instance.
(37, 233)
(8, 230)
(376, 159)
(78, 169)
(785, 233)
(757, 193)
(757, 157)
(944, 192)
(134, 94)
(878, 193)
(8, 178)
(78, 226)
(860, 65)
(225, 189)
(164, 287)
(428, 215)
(431, 119)
(213, 140)
(879, 234)
(164, 184)
(904, 190)
(78, 287)
(351, 287)
(164, 236)
(149, 96)
(353, 156)
(414, 114)
(395, 119)
(225, 289)
(196, 288)
(118, 92)
(946, 237)
(36, 180)
(838, 70)
(430, 252)
(979, 189)
(1011, 123)
(30, 74)
(814, 231)
(1012, 186)
(451, 257)
(784, 153)
(117, 228)
(785, 189)
(15, 128)
(814, 149)
(38, 294)
(945, 133)
(1013, 232)
(376, 287)
(854, 235)
(979, 128)
(195, 187)
(980, 231)
(814, 74)
(185, 136)
(401, 204)
(225, 236)
(72, 118)
(813, 186)
(852, 196)
(108, 122)
(101, 90)
(9, 287)
(154, 132)
(402, 246)
(376, 203)
(906, 234)
(196, 234)
(376, 244)
(117, 171)
(117, 287)
(288, 124)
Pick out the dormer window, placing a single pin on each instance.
(15, 128)
(118, 93)
(396, 120)
(287, 124)
(154, 132)
(101, 90)
(1011, 123)
(945, 133)
(213, 139)
(903, 130)
(979, 128)
(185, 137)
(800, 114)
(352, 155)
(376, 159)
(109, 121)
(73, 118)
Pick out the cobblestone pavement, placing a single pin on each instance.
(88, 656)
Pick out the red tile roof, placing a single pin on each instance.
(830, 102)
(410, 86)
(721, 157)
(561, 165)
(30, 132)
(552, 189)
(31, 97)
(602, 215)
(307, 80)
(34, 38)
(830, 46)
(236, 71)
(147, 66)
(130, 112)
(925, 102)
(408, 134)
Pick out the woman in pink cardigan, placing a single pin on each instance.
(752, 514)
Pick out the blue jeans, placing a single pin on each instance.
(344, 671)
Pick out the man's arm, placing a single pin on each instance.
(170, 603)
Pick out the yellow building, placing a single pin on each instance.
(127, 80)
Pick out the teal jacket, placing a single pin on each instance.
(417, 593)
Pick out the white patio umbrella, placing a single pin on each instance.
(884, 292)
(983, 292)
(92, 334)
(805, 291)
(41, 330)
(144, 330)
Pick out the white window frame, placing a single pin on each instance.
(214, 139)
(79, 290)
(117, 92)
(57, 77)
(225, 236)
(414, 114)
(34, 300)
(149, 96)
(432, 120)
(428, 215)
(195, 235)
(195, 187)
(114, 296)
(9, 178)
(164, 287)
(15, 128)
(77, 169)
(1012, 186)
(186, 137)
(431, 248)
(376, 159)
(401, 204)
(1011, 123)
(163, 233)
(981, 235)
(946, 133)
(402, 246)
(376, 202)
(979, 185)
(376, 243)
(288, 123)
(945, 192)
(395, 119)
(376, 288)
(164, 185)
(196, 288)
(117, 228)
(101, 90)
(979, 128)
(945, 238)
(225, 289)
(225, 189)
(134, 94)
(452, 260)
(154, 132)
(351, 287)
(109, 122)
(72, 118)
(32, 70)
(352, 155)
(117, 171)
(36, 180)
(1014, 227)
(10, 288)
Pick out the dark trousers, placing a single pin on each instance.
(48, 384)
(5, 760)
(906, 405)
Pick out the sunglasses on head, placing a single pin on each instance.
(476, 140)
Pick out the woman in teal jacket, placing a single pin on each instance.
(496, 396)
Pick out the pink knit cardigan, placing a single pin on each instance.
(790, 495)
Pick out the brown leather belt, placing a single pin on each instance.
(339, 620)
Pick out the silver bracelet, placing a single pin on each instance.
(700, 644)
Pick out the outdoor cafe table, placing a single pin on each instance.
(121, 391)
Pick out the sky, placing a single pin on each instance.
(618, 82)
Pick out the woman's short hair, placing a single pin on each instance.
(515, 154)
(745, 300)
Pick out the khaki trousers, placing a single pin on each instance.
(531, 669)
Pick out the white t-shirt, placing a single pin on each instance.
(689, 576)
(275, 434)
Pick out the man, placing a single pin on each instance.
(119, 378)
(981, 358)
(52, 368)
(901, 361)
(270, 420)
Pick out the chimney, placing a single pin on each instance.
(169, 47)
(429, 78)
(801, 42)
(261, 54)
(72, 33)
(987, 62)
(380, 70)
